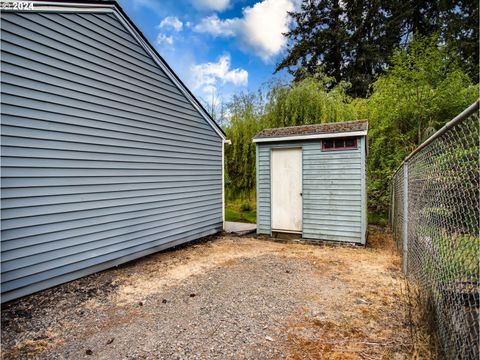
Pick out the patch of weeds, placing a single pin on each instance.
(245, 207)
(377, 219)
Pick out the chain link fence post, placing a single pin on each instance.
(405, 218)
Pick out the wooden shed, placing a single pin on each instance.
(311, 180)
(106, 155)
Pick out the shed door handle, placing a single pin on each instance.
(301, 194)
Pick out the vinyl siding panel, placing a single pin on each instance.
(103, 158)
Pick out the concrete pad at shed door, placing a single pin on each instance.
(239, 228)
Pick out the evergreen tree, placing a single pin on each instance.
(374, 32)
(353, 40)
(461, 34)
(319, 37)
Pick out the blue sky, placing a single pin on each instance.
(217, 47)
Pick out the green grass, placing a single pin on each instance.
(234, 212)
(231, 215)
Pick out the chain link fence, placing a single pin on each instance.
(434, 218)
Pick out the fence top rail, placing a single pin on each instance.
(463, 115)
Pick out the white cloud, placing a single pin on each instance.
(265, 24)
(260, 29)
(163, 39)
(215, 26)
(208, 76)
(209, 92)
(170, 26)
(171, 22)
(214, 5)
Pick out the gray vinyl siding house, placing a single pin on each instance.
(321, 191)
(106, 155)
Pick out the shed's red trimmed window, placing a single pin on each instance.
(339, 144)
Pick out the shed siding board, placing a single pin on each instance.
(364, 221)
(264, 190)
(334, 206)
(339, 202)
(103, 158)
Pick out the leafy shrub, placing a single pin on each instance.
(245, 207)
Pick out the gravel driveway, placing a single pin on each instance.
(225, 298)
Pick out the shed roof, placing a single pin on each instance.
(346, 128)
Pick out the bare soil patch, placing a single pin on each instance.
(227, 298)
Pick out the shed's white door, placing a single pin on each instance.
(287, 189)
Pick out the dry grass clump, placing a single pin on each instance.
(31, 348)
(424, 343)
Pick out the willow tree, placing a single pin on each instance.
(245, 112)
(304, 102)
(308, 102)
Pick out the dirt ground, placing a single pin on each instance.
(224, 298)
